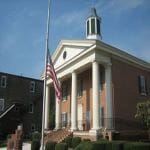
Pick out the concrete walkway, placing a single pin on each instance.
(26, 146)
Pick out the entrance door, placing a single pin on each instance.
(80, 117)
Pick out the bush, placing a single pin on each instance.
(86, 140)
(118, 145)
(50, 145)
(85, 145)
(36, 136)
(68, 140)
(75, 141)
(61, 146)
(35, 145)
(102, 144)
(137, 146)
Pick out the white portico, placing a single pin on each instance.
(71, 59)
(82, 55)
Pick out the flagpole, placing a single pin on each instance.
(45, 77)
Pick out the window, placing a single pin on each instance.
(98, 26)
(31, 108)
(80, 87)
(102, 116)
(92, 26)
(32, 127)
(88, 27)
(32, 86)
(64, 91)
(64, 119)
(3, 81)
(17, 108)
(142, 85)
(1, 104)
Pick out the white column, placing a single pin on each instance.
(47, 106)
(57, 114)
(74, 102)
(96, 96)
(109, 113)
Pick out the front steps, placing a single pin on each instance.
(57, 136)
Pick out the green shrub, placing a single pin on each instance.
(102, 140)
(86, 140)
(85, 145)
(68, 140)
(36, 136)
(61, 146)
(75, 141)
(118, 145)
(3, 144)
(137, 146)
(102, 145)
(50, 145)
(35, 145)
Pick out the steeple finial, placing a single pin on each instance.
(93, 26)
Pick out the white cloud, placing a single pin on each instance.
(119, 6)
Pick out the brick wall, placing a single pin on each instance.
(15, 140)
(126, 93)
(18, 91)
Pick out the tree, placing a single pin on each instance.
(143, 114)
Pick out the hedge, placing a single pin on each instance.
(68, 140)
(85, 145)
(137, 146)
(36, 136)
(103, 145)
(118, 145)
(61, 146)
(75, 141)
(35, 145)
(106, 145)
(98, 145)
(50, 145)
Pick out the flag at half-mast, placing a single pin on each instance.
(50, 73)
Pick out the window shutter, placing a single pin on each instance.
(139, 83)
(146, 87)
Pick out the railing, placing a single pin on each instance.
(106, 123)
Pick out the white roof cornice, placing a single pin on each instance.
(122, 54)
(77, 43)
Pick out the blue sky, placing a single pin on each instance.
(125, 24)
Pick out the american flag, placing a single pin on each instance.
(50, 73)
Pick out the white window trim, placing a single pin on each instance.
(64, 113)
(32, 86)
(142, 81)
(32, 108)
(3, 77)
(3, 102)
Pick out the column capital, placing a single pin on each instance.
(73, 71)
(108, 65)
(94, 60)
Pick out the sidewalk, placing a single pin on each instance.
(26, 146)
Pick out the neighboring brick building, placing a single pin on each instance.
(20, 103)
(101, 84)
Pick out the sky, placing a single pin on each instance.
(125, 25)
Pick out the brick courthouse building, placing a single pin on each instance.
(101, 84)
(20, 103)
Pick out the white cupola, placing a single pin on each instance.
(93, 26)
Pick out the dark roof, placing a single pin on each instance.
(19, 76)
(93, 13)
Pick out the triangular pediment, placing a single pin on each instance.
(68, 50)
